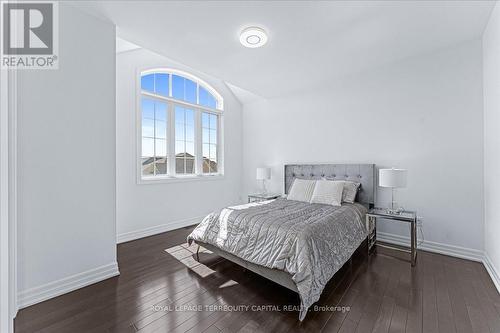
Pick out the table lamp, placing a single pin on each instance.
(392, 178)
(263, 174)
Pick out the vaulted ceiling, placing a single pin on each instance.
(309, 42)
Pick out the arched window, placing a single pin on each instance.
(180, 126)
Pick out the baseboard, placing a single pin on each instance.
(133, 235)
(52, 289)
(492, 271)
(450, 250)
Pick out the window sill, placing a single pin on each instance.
(178, 179)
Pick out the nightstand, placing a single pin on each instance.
(404, 217)
(262, 196)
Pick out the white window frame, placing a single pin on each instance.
(198, 110)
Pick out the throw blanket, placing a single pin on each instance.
(311, 242)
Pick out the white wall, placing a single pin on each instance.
(423, 114)
(145, 209)
(7, 226)
(491, 86)
(66, 163)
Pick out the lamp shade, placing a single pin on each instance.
(263, 173)
(392, 178)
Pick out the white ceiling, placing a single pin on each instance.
(123, 45)
(309, 42)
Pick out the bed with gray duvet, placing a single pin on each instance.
(306, 243)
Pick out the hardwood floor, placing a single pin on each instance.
(440, 294)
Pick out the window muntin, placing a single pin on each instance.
(154, 137)
(156, 83)
(206, 99)
(184, 141)
(209, 125)
(194, 110)
(184, 89)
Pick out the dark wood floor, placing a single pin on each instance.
(440, 294)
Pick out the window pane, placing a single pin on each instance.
(206, 99)
(209, 141)
(179, 115)
(179, 132)
(160, 147)
(213, 166)
(178, 87)
(160, 129)
(206, 159)
(190, 149)
(161, 84)
(205, 136)
(184, 140)
(154, 135)
(161, 165)
(206, 150)
(148, 127)
(180, 154)
(179, 148)
(148, 108)
(213, 121)
(206, 165)
(190, 133)
(205, 120)
(179, 164)
(147, 166)
(147, 83)
(213, 136)
(213, 158)
(181, 88)
(147, 147)
(160, 111)
(203, 96)
(190, 164)
(212, 103)
(189, 117)
(213, 152)
(190, 92)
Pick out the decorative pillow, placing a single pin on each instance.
(328, 192)
(301, 190)
(350, 191)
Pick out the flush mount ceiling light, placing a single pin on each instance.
(253, 37)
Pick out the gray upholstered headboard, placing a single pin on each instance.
(361, 173)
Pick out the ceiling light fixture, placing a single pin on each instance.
(253, 37)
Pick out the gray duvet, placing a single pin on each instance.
(311, 242)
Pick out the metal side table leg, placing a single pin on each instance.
(413, 226)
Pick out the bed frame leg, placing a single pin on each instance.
(368, 247)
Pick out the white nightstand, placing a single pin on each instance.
(262, 196)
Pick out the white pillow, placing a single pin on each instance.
(301, 190)
(328, 192)
(350, 190)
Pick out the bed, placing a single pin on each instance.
(295, 244)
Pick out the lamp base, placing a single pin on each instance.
(394, 211)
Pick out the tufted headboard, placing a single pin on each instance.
(360, 173)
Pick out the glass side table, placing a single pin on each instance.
(404, 217)
(262, 197)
